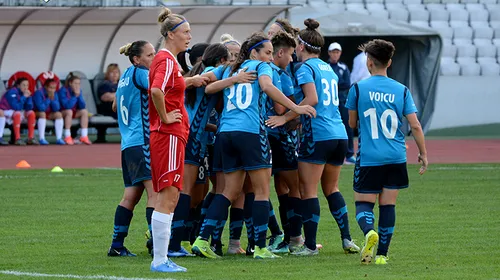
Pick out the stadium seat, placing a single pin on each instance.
(409, 2)
(267, 2)
(459, 18)
(474, 6)
(469, 51)
(419, 23)
(375, 6)
(377, 1)
(450, 68)
(469, 1)
(479, 16)
(439, 15)
(412, 7)
(393, 2)
(298, 2)
(486, 60)
(483, 33)
(240, 2)
(488, 2)
(482, 42)
(496, 38)
(450, 1)
(449, 51)
(336, 8)
(335, 1)
(452, 6)
(447, 41)
(462, 33)
(434, 6)
(486, 51)
(440, 24)
(98, 79)
(470, 69)
(380, 14)
(22, 74)
(490, 68)
(431, 1)
(419, 15)
(445, 32)
(354, 7)
(391, 6)
(399, 14)
(40, 80)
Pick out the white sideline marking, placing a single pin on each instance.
(466, 168)
(104, 277)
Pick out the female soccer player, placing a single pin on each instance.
(169, 124)
(243, 136)
(47, 106)
(323, 143)
(73, 106)
(282, 24)
(131, 104)
(381, 162)
(16, 104)
(199, 105)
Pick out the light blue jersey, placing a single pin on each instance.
(132, 107)
(244, 103)
(283, 82)
(328, 124)
(381, 105)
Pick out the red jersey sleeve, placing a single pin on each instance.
(163, 78)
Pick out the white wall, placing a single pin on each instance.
(463, 101)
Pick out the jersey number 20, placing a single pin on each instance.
(331, 92)
(238, 91)
(123, 111)
(389, 134)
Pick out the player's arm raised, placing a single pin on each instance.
(218, 85)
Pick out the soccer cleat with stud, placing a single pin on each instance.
(371, 240)
(179, 254)
(201, 248)
(44, 142)
(275, 240)
(168, 266)
(282, 248)
(350, 247)
(120, 252)
(264, 253)
(234, 248)
(381, 260)
(60, 142)
(304, 251)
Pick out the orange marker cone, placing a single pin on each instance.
(23, 164)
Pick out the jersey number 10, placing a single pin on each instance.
(389, 134)
(238, 91)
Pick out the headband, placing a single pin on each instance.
(232, 41)
(258, 44)
(307, 44)
(280, 25)
(177, 25)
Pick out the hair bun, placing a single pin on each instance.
(226, 37)
(311, 23)
(164, 15)
(125, 49)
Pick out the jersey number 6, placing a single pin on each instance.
(238, 91)
(123, 111)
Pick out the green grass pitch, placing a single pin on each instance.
(447, 227)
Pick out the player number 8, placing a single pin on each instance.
(123, 111)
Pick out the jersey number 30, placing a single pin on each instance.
(332, 93)
(388, 133)
(123, 111)
(238, 91)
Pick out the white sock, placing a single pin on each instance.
(58, 125)
(161, 224)
(85, 132)
(41, 128)
(67, 132)
(2, 125)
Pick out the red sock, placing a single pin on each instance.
(16, 118)
(31, 124)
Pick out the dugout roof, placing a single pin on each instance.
(64, 39)
(418, 50)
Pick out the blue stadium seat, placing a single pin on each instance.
(449, 51)
(489, 67)
(399, 14)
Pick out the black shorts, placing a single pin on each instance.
(195, 151)
(244, 151)
(323, 152)
(210, 160)
(372, 179)
(217, 155)
(203, 171)
(283, 152)
(136, 165)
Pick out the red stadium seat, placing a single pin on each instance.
(22, 74)
(40, 80)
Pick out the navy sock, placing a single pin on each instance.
(235, 223)
(216, 212)
(149, 213)
(273, 222)
(123, 216)
(365, 216)
(283, 208)
(217, 234)
(310, 216)
(294, 216)
(205, 204)
(189, 225)
(339, 212)
(196, 224)
(181, 214)
(247, 215)
(260, 215)
(386, 224)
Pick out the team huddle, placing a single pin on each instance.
(241, 114)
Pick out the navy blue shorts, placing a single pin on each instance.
(194, 151)
(283, 152)
(244, 151)
(203, 171)
(210, 160)
(217, 155)
(372, 179)
(136, 166)
(323, 152)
